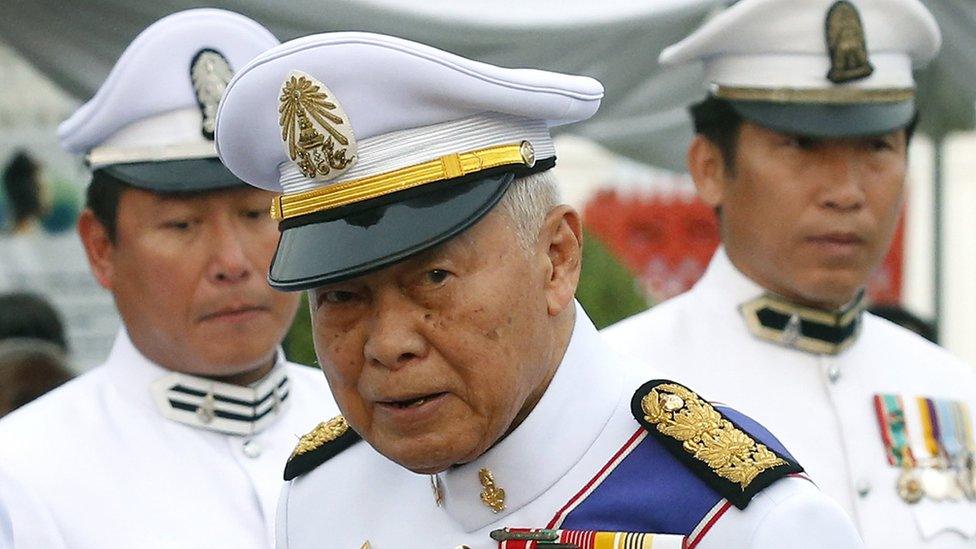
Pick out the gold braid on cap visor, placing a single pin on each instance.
(831, 96)
(440, 169)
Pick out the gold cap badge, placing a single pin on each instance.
(315, 128)
(209, 72)
(845, 40)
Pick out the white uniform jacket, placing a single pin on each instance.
(820, 406)
(579, 463)
(115, 460)
(23, 519)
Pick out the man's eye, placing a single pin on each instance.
(336, 297)
(801, 142)
(255, 214)
(437, 276)
(177, 225)
(881, 144)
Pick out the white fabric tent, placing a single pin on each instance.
(76, 43)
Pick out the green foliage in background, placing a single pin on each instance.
(298, 342)
(607, 291)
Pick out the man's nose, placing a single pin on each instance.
(229, 262)
(393, 340)
(843, 188)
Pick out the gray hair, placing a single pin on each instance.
(527, 202)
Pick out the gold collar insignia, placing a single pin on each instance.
(773, 318)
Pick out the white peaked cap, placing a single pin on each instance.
(148, 110)
(777, 51)
(357, 121)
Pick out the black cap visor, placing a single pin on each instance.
(198, 174)
(828, 120)
(348, 243)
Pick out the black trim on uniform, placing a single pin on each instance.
(835, 335)
(303, 463)
(225, 415)
(221, 398)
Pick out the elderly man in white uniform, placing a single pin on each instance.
(179, 438)
(481, 408)
(801, 149)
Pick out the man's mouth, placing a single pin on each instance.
(838, 238)
(230, 313)
(414, 402)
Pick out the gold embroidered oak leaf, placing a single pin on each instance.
(691, 423)
(739, 472)
(324, 432)
(731, 453)
(764, 458)
(718, 448)
(652, 407)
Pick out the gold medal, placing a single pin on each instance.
(909, 486)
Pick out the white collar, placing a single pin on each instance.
(535, 455)
(724, 285)
(197, 401)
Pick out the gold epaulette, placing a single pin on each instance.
(718, 451)
(320, 444)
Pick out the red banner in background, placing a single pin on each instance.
(666, 240)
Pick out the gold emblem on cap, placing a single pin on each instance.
(492, 495)
(845, 40)
(209, 72)
(314, 127)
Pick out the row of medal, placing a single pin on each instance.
(937, 453)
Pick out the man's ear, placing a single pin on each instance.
(562, 234)
(99, 248)
(707, 168)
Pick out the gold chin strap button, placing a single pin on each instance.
(528, 154)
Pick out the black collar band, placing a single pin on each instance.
(773, 318)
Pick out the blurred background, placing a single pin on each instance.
(647, 237)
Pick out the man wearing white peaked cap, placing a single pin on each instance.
(178, 439)
(480, 407)
(802, 150)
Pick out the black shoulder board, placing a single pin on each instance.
(715, 449)
(319, 445)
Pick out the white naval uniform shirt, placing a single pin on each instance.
(581, 422)
(819, 406)
(111, 471)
